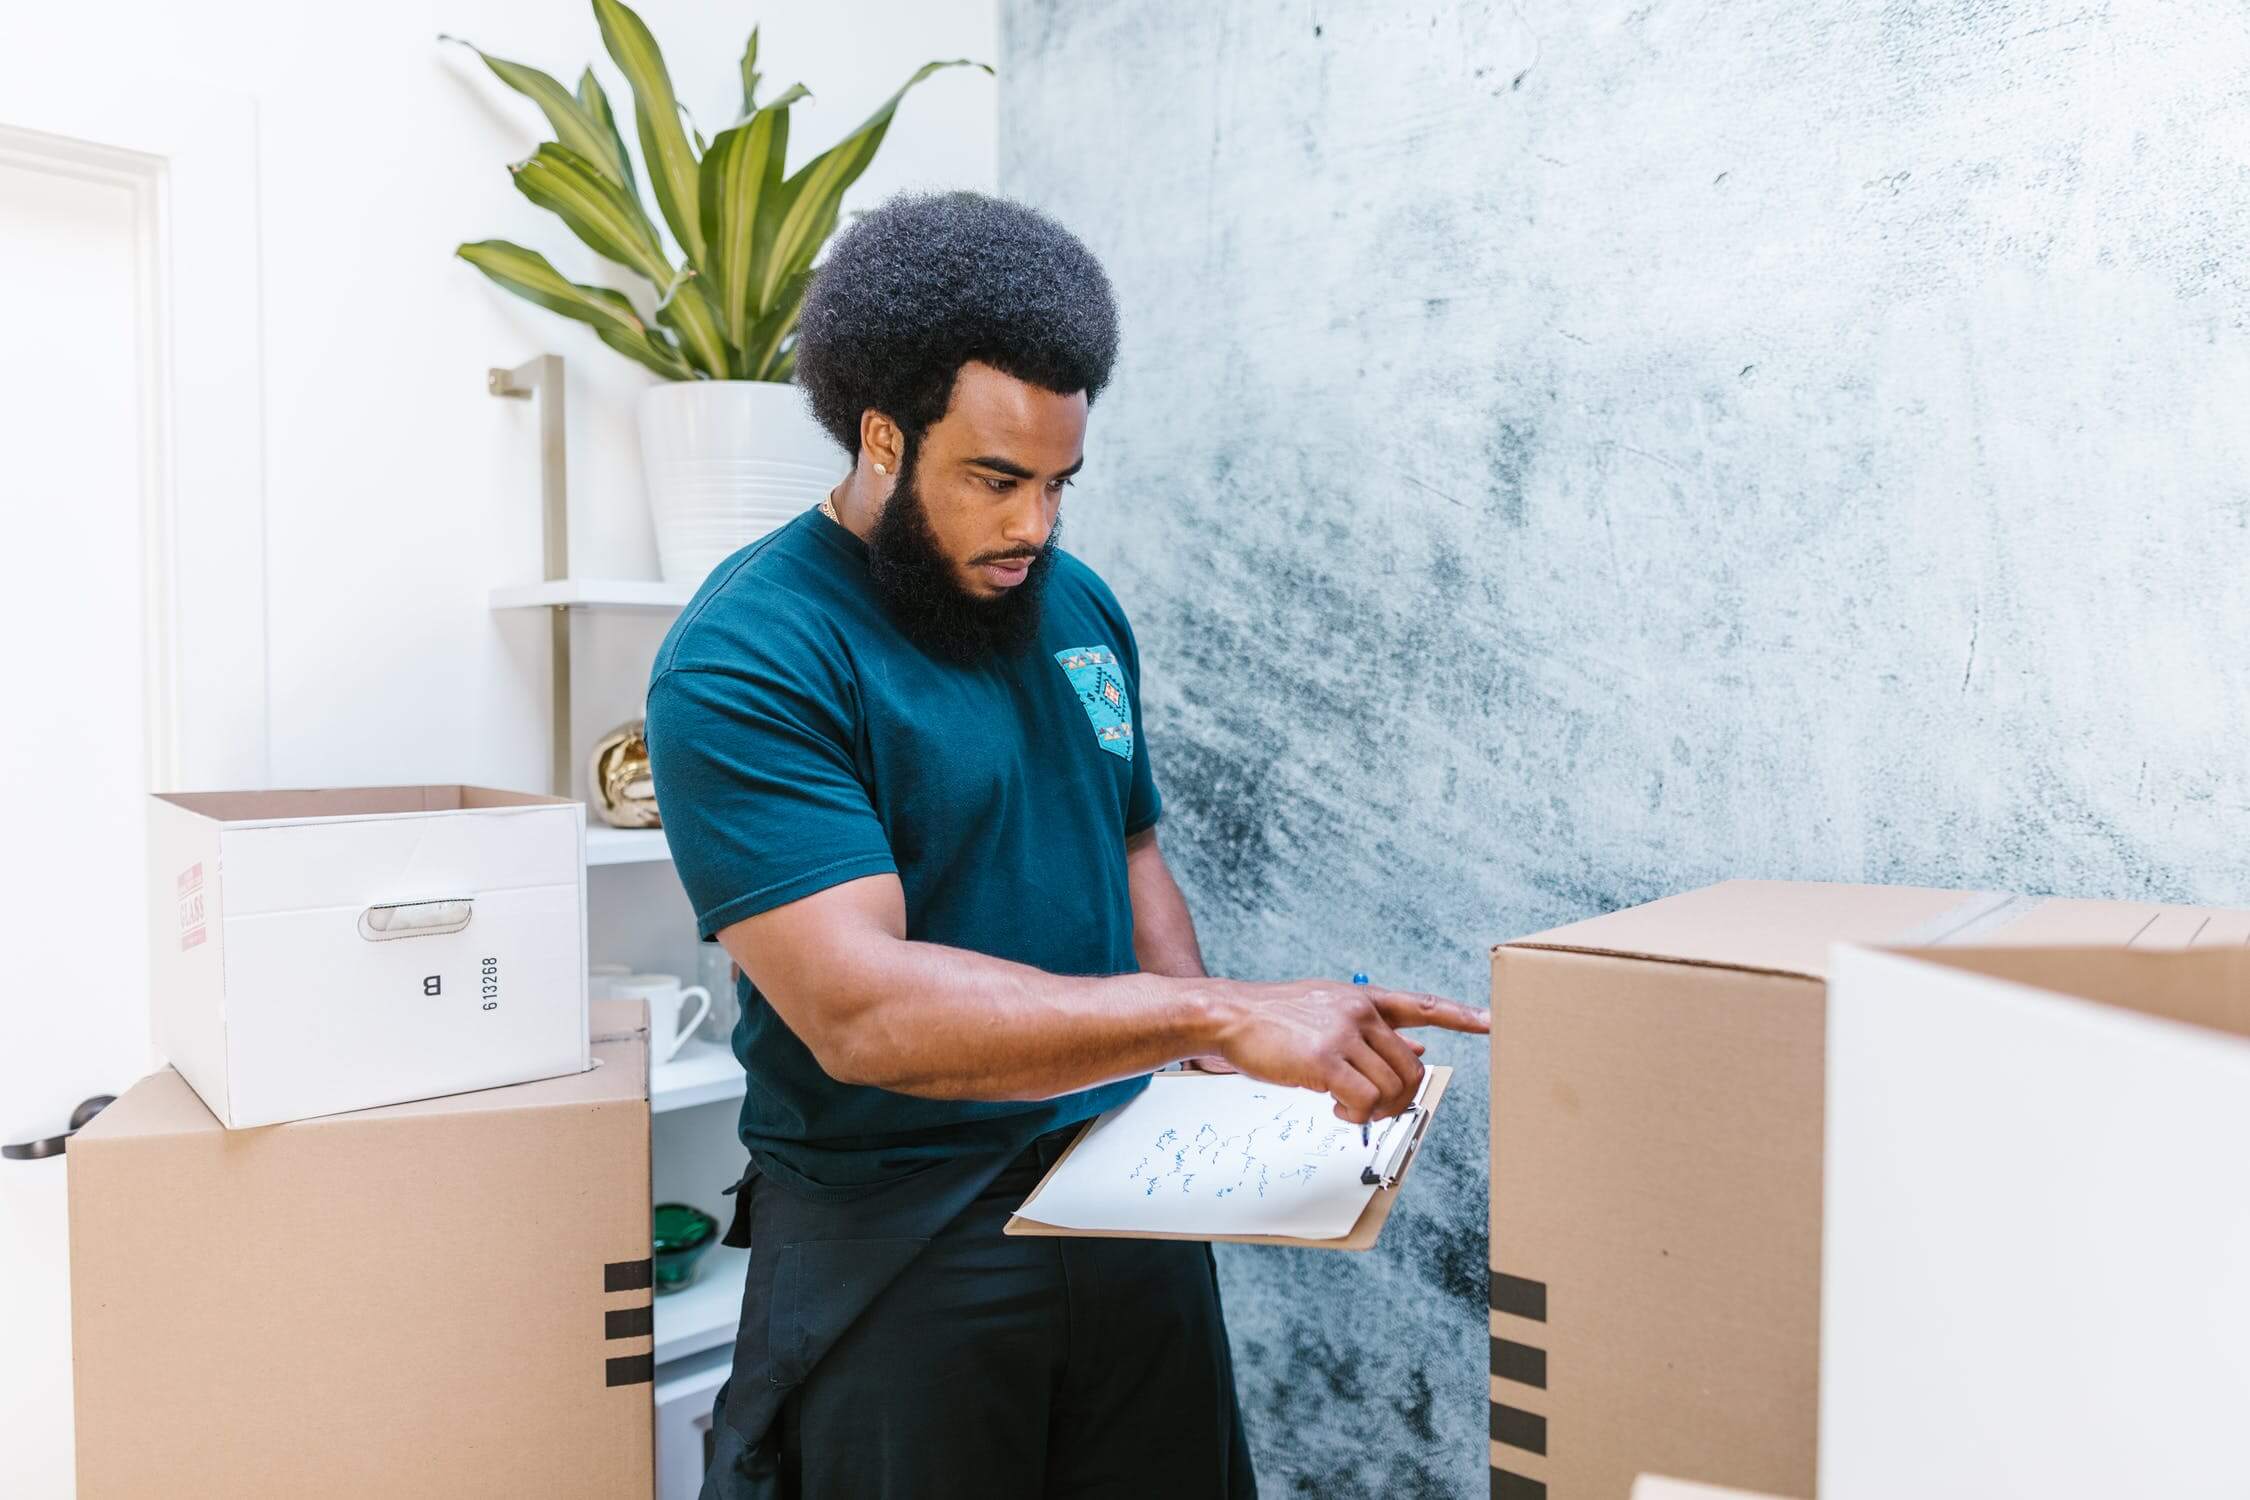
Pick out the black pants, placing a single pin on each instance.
(1030, 1366)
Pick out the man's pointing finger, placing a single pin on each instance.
(1407, 1008)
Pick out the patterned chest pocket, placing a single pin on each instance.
(1100, 684)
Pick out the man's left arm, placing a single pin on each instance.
(1163, 929)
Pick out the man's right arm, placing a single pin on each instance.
(919, 1018)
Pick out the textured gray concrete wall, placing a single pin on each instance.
(1575, 450)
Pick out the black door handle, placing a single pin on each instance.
(53, 1145)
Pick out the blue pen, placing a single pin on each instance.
(1361, 979)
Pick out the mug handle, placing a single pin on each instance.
(679, 1038)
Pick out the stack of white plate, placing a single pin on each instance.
(728, 461)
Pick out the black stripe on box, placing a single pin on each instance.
(1518, 1297)
(628, 1322)
(627, 1276)
(632, 1369)
(1519, 1362)
(1516, 1428)
(1507, 1486)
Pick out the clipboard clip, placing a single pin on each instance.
(1399, 1137)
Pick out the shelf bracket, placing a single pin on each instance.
(543, 377)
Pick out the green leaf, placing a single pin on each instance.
(760, 347)
(784, 367)
(806, 207)
(596, 104)
(528, 274)
(687, 311)
(656, 117)
(740, 171)
(654, 348)
(597, 210)
(576, 126)
(750, 77)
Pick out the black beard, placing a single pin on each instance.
(917, 584)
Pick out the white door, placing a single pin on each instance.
(108, 467)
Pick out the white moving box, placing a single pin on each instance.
(336, 949)
(2037, 1270)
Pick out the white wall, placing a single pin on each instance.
(1567, 451)
(398, 492)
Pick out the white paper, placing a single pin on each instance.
(1209, 1154)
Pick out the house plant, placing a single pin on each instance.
(727, 444)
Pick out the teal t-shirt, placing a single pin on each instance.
(799, 739)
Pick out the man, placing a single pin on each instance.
(899, 750)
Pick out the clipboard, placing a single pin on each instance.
(1364, 1230)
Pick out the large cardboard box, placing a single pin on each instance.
(328, 950)
(2038, 1272)
(443, 1298)
(1657, 1086)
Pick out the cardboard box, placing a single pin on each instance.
(2038, 1218)
(444, 1298)
(320, 951)
(1657, 1084)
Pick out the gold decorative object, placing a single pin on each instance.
(624, 791)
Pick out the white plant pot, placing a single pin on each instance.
(728, 461)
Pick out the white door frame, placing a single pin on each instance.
(197, 570)
(191, 161)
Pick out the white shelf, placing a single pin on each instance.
(625, 846)
(594, 593)
(705, 1314)
(700, 1073)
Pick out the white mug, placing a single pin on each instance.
(667, 1031)
(601, 980)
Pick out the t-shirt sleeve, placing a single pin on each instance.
(1144, 805)
(757, 788)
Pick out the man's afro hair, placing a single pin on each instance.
(927, 282)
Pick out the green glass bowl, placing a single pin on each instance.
(682, 1233)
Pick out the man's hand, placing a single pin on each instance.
(1341, 1039)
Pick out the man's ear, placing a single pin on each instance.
(880, 440)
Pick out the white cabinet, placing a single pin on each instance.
(684, 1393)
